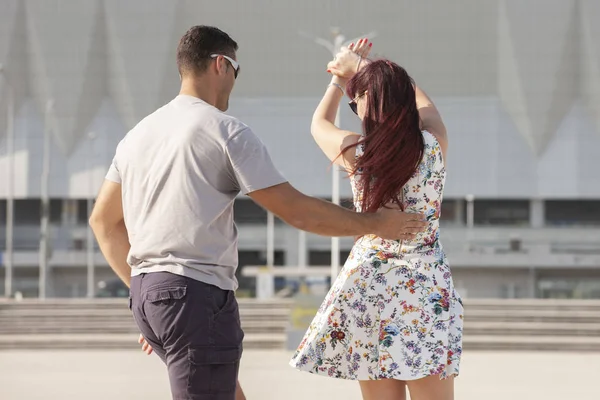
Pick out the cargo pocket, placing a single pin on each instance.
(165, 294)
(213, 369)
(162, 305)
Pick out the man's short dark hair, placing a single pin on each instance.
(198, 43)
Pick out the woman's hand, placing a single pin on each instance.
(350, 59)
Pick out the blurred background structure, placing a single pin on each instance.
(518, 84)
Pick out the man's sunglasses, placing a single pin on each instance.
(234, 64)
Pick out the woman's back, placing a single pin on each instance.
(421, 194)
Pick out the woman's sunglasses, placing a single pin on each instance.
(353, 105)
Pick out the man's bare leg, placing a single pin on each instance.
(239, 393)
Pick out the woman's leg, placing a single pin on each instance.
(383, 389)
(431, 388)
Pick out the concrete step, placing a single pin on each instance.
(124, 312)
(532, 304)
(78, 304)
(531, 329)
(264, 316)
(277, 341)
(128, 325)
(285, 312)
(99, 322)
(111, 330)
(528, 343)
(128, 321)
(471, 304)
(122, 341)
(532, 316)
(83, 327)
(489, 324)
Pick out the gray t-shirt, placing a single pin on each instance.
(180, 169)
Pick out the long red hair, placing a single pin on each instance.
(393, 142)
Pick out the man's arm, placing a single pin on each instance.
(108, 225)
(254, 173)
(324, 218)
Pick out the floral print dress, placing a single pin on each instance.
(393, 311)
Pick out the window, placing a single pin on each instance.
(82, 211)
(246, 211)
(28, 212)
(323, 257)
(450, 213)
(3, 212)
(448, 209)
(572, 212)
(500, 212)
(249, 257)
(56, 210)
(255, 258)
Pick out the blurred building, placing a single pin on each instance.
(518, 84)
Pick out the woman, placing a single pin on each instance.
(392, 319)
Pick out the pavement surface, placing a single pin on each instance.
(265, 375)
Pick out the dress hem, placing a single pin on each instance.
(326, 375)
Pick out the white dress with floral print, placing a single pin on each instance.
(393, 311)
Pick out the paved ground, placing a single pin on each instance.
(116, 375)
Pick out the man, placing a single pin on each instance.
(164, 219)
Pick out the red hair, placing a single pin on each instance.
(393, 142)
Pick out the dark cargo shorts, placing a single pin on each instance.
(195, 329)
